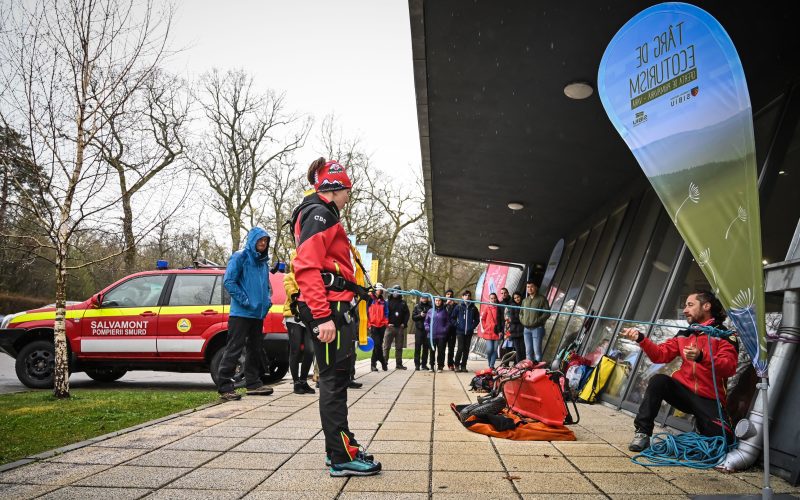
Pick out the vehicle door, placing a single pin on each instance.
(125, 325)
(191, 314)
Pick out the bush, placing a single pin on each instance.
(10, 303)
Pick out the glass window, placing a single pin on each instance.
(595, 273)
(565, 284)
(648, 290)
(194, 290)
(625, 271)
(143, 291)
(577, 282)
(555, 289)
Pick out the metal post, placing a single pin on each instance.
(766, 492)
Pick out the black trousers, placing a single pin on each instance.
(301, 350)
(441, 346)
(242, 332)
(451, 347)
(519, 347)
(462, 355)
(335, 360)
(665, 388)
(377, 333)
(422, 348)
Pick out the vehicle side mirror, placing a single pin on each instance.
(96, 300)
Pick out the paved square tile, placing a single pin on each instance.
(190, 494)
(50, 473)
(405, 481)
(134, 440)
(221, 479)
(125, 476)
(204, 443)
(228, 429)
(258, 423)
(302, 461)
(24, 491)
(480, 483)
(193, 421)
(385, 434)
(323, 485)
(537, 463)
(373, 495)
(535, 482)
(606, 464)
(272, 445)
(713, 483)
(286, 495)
(252, 460)
(98, 455)
(578, 449)
(477, 462)
(533, 448)
(399, 447)
(638, 484)
(174, 458)
(95, 493)
(292, 433)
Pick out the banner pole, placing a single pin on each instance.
(766, 492)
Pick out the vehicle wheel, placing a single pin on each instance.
(216, 359)
(105, 374)
(276, 372)
(35, 364)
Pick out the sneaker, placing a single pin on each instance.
(641, 441)
(373, 368)
(440, 370)
(264, 390)
(355, 385)
(355, 467)
(385, 368)
(424, 368)
(401, 367)
(230, 396)
(298, 388)
(307, 388)
(416, 368)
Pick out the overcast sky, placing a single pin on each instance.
(348, 57)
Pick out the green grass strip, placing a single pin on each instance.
(33, 422)
(408, 353)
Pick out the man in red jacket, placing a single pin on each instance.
(378, 316)
(690, 389)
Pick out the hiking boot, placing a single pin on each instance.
(360, 455)
(440, 370)
(416, 368)
(355, 467)
(424, 368)
(373, 368)
(400, 367)
(641, 441)
(385, 368)
(355, 385)
(264, 390)
(298, 387)
(230, 396)
(307, 388)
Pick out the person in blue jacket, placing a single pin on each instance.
(247, 282)
(465, 318)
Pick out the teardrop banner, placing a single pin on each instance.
(672, 84)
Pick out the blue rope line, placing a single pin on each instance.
(716, 332)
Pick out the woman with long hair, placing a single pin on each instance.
(488, 333)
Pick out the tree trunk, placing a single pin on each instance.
(236, 231)
(127, 228)
(61, 369)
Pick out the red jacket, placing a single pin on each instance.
(377, 312)
(488, 323)
(696, 375)
(322, 245)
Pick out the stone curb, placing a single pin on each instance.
(74, 446)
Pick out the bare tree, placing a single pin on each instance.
(64, 62)
(282, 190)
(250, 132)
(144, 135)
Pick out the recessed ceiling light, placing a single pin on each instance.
(514, 205)
(494, 247)
(578, 90)
(782, 172)
(765, 262)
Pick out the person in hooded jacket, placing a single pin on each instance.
(451, 333)
(323, 259)
(465, 318)
(421, 340)
(247, 282)
(396, 329)
(301, 350)
(437, 325)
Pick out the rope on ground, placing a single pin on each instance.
(685, 450)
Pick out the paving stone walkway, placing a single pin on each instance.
(272, 448)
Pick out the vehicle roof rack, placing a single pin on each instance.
(203, 263)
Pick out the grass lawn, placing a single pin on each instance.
(33, 422)
(408, 353)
